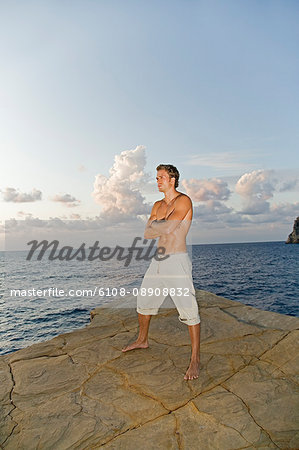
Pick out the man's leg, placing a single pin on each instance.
(193, 369)
(147, 305)
(142, 339)
(180, 280)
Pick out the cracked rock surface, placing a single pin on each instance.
(79, 391)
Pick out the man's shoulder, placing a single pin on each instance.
(156, 205)
(181, 198)
(184, 198)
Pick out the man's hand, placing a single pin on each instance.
(149, 232)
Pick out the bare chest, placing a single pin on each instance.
(164, 210)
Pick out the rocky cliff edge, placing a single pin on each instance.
(293, 237)
(79, 391)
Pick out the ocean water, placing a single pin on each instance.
(264, 275)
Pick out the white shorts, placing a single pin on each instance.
(171, 276)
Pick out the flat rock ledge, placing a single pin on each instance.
(79, 391)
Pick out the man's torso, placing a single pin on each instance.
(174, 242)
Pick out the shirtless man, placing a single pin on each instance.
(170, 221)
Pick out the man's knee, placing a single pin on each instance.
(147, 311)
(190, 321)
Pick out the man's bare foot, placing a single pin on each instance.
(193, 370)
(135, 345)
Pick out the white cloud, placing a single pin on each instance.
(255, 207)
(284, 212)
(256, 188)
(204, 190)
(291, 185)
(215, 215)
(66, 199)
(15, 196)
(257, 184)
(124, 208)
(210, 210)
(129, 165)
(279, 213)
(217, 160)
(71, 232)
(119, 194)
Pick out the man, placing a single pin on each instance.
(170, 221)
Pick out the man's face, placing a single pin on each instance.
(164, 181)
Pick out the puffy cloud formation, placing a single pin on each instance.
(209, 210)
(257, 184)
(204, 190)
(256, 188)
(284, 212)
(129, 165)
(12, 195)
(119, 194)
(279, 213)
(71, 232)
(254, 207)
(290, 185)
(66, 199)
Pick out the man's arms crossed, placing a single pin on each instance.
(155, 228)
(149, 232)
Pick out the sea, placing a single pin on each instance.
(264, 275)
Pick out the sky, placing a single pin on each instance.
(95, 94)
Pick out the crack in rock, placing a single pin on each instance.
(241, 320)
(166, 345)
(12, 403)
(135, 388)
(208, 415)
(210, 389)
(249, 412)
(177, 433)
(276, 343)
(130, 429)
(235, 338)
(178, 368)
(118, 408)
(285, 376)
(79, 392)
(99, 368)
(249, 322)
(191, 401)
(37, 357)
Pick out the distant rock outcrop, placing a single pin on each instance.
(293, 238)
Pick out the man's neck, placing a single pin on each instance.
(170, 195)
